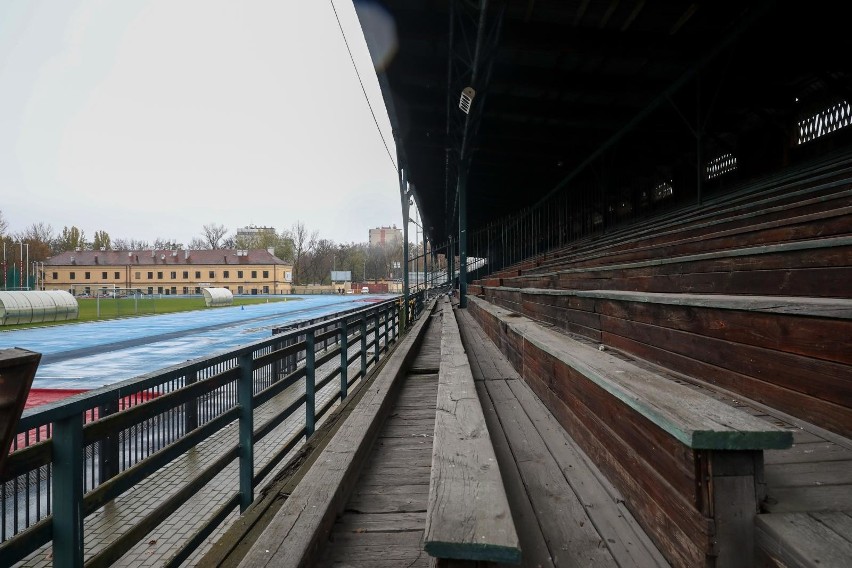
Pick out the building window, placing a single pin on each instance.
(103, 275)
(173, 274)
(118, 275)
(150, 290)
(226, 274)
(212, 274)
(266, 274)
(185, 274)
(150, 276)
(159, 289)
(56, 276)
(266, 289)
(239, 289)
(88, 275)
(159, 277)
(239, 275)
(198, 274)
(254, 273)
(174, 290)
(73, 276)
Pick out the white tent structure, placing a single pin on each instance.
(37, 306)
(217, 297)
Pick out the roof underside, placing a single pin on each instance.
(560, 86)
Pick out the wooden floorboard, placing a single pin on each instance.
(568, 514)
(382, 524)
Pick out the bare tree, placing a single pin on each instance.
(299, 235)
(198, 244)
(213, 234)
(3, 224)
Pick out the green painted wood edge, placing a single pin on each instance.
(769, 439)
(473, 551)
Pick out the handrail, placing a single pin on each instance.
(72, 456)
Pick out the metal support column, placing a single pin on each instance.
(68, 493)
(310, 383)
(403, 191)
(246, 421)
(344, 359)
(463, 236)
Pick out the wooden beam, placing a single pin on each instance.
(468, 515)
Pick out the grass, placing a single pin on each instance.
(113, 308)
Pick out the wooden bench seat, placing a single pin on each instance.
(815, 190)
(787, 352)
(760, 223)
(689, 467)
(805, 540)
(468, 516)
(816, 268)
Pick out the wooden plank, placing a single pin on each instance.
(809, 474)
(380, 522)
(384, 502)
(305, 519)
(394, 549)
(817, 498)
(468, 514)
(800, 540)
(603, 503)
(810, 452)
(532, 542)
(571, 536)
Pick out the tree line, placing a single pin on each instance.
(313, 257)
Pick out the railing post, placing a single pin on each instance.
(363, 346)
(190, 411)
(68, 493)
(376, 336)
(344, 359)
(108, 449)
(310, 384)
(245, 398)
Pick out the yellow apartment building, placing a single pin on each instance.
(254, 271)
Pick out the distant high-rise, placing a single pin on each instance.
(251, 231)
(385, 236)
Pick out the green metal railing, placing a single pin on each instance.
(72, 457)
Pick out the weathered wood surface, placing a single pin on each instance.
(468, 515)
(813, 540)
(383, 520)
(795, 359)
(695, 420)
(303, 522)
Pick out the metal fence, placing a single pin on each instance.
(72, 457)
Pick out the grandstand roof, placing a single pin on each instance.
(574, 89)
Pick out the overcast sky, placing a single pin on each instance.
(149, 119)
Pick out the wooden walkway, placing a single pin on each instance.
(383, 521)
(565, 513)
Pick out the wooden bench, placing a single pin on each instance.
(468, 516)
(816, 268)
(769, 205)
(305, 519)
(805, 540)
(690, 467)
(789, 353)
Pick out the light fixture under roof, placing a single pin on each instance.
(466, 100)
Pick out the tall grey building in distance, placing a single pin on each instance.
(385, 236)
